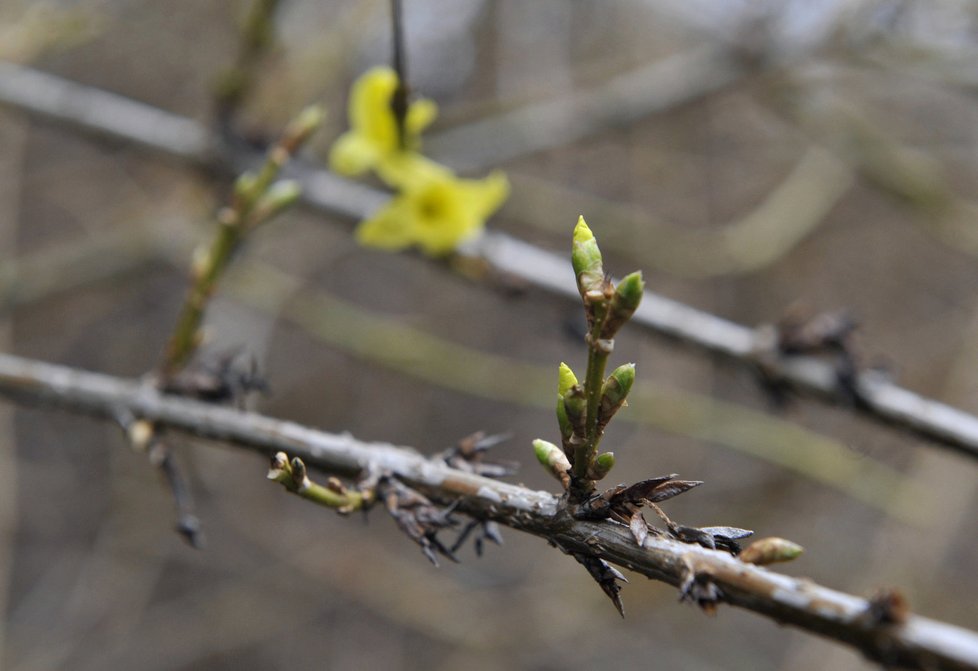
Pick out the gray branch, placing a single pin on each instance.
(107, 114)
(916, 642)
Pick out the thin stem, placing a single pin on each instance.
(186, 334)
(597, 359)
(238, 80)
(399, 101)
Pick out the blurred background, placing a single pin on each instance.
(746, 156)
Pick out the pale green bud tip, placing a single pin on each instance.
(605, 462)
(630, 289)
(544, 451)
(582, 233)
(625, 376)
(309, 119)
(565, 379)
(586, 257)
(302, 126)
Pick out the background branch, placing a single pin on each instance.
(914, 641)
(113, 116)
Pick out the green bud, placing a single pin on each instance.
(302, 126)
(586, 259)
(575, 407)
(280, 195)
(602, 465)
(771, 550)
(614, 391)
(565, 379)
(244, 186)
(553, 459)
(624, 302)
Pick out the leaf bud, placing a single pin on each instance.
(770, 550)
(586, 259)
(554, 460)
(614, 391)
(624, 302)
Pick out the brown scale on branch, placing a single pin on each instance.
(217, 378)
(417, 517)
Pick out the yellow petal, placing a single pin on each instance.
(409, 171)
(370, 108)
(484, 196)
(352, 155)
(420, 114)
(391, 228)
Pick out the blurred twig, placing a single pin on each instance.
(910, 640)
(789, 212)
(117, 117)
(663, 85)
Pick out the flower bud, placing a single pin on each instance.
(565, 379)
(586, 259)
(614, 391)
(280, 195)
(554, 460)
(624, 302)
(602, 465)
(304, 125)
(770, 550)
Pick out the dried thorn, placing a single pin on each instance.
(606, 576)
(693, 535)
(639, 527)
(724, 538)
(417, 516)
(464, 536)
(468, 455)
(216, 378)
(668, 490)
(190, 528)
(491, 531)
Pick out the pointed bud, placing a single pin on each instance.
(280, 195)
(302, 127)
(575, 406)
(586, 259)
(627, 296)
(602, 465)
(770, 550)
(299, 477)
(565, 379)
(554, 460)
(245, 185)
(614, 391)
(280, 470)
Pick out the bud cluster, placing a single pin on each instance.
(585, 408)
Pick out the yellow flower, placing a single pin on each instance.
(372, 141)
(437, 213)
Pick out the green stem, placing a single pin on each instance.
(597, 359)
(183, 343)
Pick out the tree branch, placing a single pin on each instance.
(113, 116)
(911, 640)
